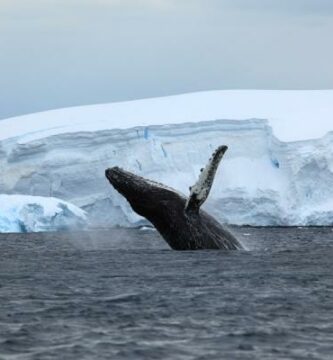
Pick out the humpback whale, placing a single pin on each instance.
(179, 219)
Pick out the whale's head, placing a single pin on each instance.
(146, 197)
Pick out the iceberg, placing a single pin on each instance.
(278, 169)
(22, 213)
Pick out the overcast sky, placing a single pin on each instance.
(56, 53)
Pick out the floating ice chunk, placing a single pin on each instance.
(23, 213)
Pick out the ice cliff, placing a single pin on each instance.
(22, 213)
(278, 169)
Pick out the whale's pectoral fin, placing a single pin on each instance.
(200, 190)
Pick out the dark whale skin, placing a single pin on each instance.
(164, 208)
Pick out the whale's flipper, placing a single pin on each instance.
(200, 190)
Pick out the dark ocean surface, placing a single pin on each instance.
(123, 294)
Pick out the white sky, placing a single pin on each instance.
(56, 53)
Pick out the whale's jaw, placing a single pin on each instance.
(146, 197)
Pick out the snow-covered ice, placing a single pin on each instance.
(21, 213)
(278, 169)
(294, 115)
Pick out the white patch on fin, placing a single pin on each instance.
(200, 190)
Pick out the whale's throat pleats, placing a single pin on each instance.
(200, 190)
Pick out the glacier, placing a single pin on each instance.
(278, 169)
(23, 213)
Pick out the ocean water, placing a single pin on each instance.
(123, 294)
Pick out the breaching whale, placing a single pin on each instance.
(178, 219)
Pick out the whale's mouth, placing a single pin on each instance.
(134, 187)
(115, 174)
(122, 180)
(126, 182)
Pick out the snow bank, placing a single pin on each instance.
(20, 213)
(294, 115)
(278, 169)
